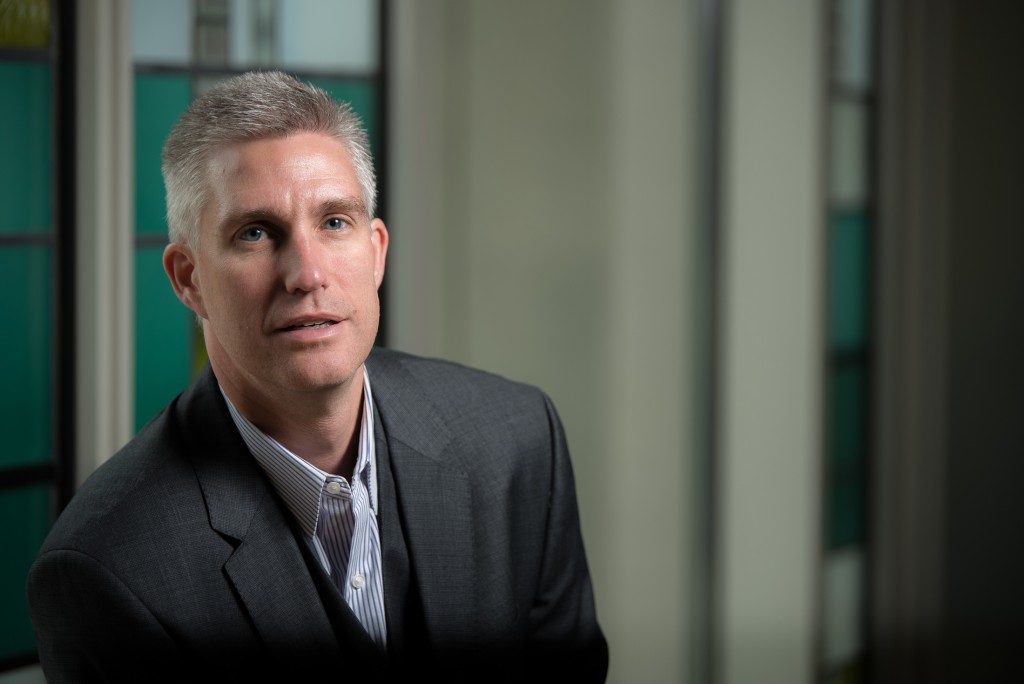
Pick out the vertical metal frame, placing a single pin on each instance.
(704, 590)
(911, 374)
(65, 219)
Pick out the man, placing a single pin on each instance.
(311, 506)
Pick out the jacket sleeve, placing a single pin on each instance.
(565, 640)
(90, 627)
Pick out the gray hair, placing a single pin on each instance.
(253, 106)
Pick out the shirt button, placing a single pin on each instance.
(358, 580)
(334, 487)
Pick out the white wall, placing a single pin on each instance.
(541, 227)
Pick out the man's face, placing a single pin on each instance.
(287, 270)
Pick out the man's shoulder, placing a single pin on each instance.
(476, 419)
(447, 383)
(131, 487)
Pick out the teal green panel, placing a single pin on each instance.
(26, 513)
(26, 349)
(163, 337)
(847, 441)
(25, 160)
(362, 95)
(159, 101)
(848, 280)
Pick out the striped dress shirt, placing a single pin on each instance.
(338, 517)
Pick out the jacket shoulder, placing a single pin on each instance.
(477, 421)
(458, 392)
(149, 477)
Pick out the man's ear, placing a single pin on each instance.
(180, 265)
(379, 240)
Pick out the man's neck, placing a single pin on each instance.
(320, 427)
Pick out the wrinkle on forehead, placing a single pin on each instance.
(269, 179)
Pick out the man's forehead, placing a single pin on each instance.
(297, 144)
(316, 161)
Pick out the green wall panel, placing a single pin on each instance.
(848, 280)
(26, 513)
(159, 101)
(163, 337)
(845, 492)
(361, 94)
(25, 160)
(26, 349)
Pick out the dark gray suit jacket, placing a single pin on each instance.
(177, 558)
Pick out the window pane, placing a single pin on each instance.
(25, 161)
(848, 155)
(159, 101)
(852, 57)
(26, 349)
(27, 515)
(361, 94)
(848, 281)
(844, 606)
(329, 35)
(163, 339)
(25, 23)
(845, 493)
(162, 31)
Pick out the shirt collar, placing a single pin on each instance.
(298, 482)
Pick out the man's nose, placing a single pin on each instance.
(303, 264)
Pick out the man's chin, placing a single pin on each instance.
(320, 380)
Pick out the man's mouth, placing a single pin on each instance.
(311, 325)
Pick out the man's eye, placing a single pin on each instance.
(252, 234)
(334, 224)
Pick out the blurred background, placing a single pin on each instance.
(765, 256)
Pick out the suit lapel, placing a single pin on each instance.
(271, 578)
(266, 569)
(434, 502)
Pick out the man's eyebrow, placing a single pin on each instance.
(258, 215)
(344, 205)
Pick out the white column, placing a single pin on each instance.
(105, 219)
(770, 438)
(650, 382)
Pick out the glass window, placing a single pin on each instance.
(161, 32)
(851, 109)
(37, 456)
(25, 167)
(848, 281)
(27, 349)
(853, 62)
(329, 36)
(848, 154)
(25, 24)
